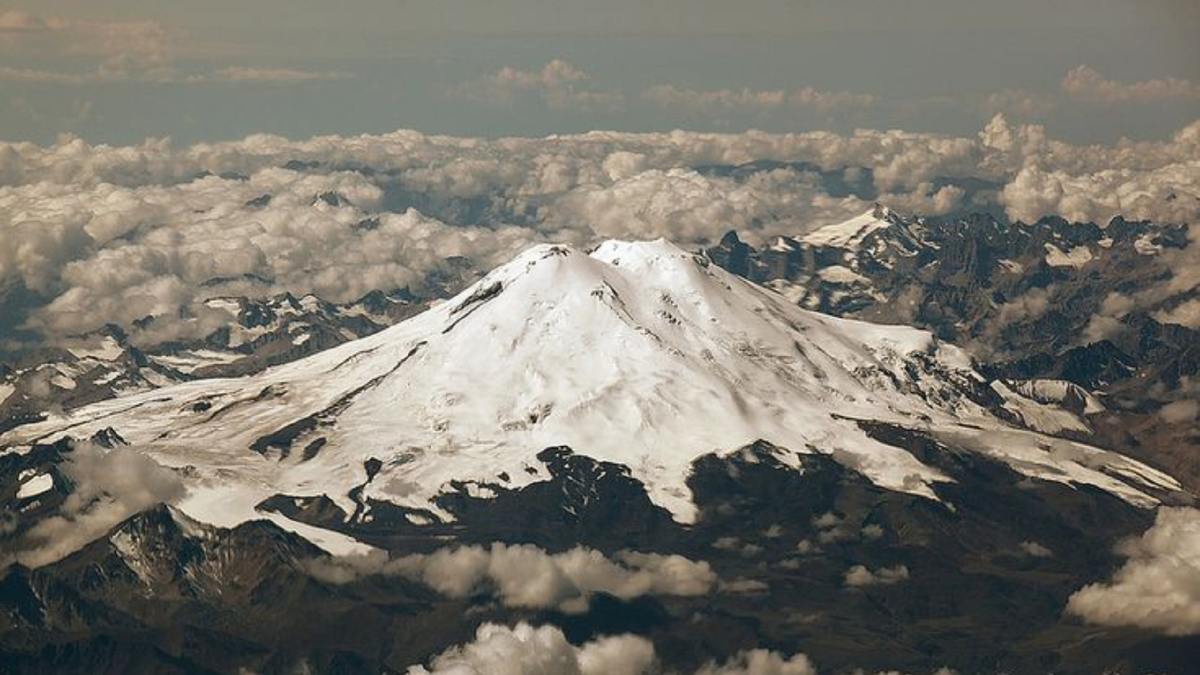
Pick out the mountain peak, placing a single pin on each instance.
(637, 353)
(849, 233)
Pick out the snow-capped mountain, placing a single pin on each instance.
(638, 353)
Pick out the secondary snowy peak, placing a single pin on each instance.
(849, 234)
(638, 353)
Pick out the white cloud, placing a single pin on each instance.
(8, 74)
(1180, 412)
(1186, 313)
(118, 254)
(1085, 82)
(109, 486)
(1035, 550)
(1101, 195)
(542, 650)
(260, 74)
(1020, 102)
(120, 51)
(860, 575)
(559, 84)
(108, 234)
(761, 662)
(527, 576)
(1159, 586)
(728, 101)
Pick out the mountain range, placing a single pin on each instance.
(628, 439)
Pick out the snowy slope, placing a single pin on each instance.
(850, 233)
(637, 353)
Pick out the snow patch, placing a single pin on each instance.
(1145, 245)
(106, 349)
(35, 486)
(837, 274)
(1039, 416)
(1012, 266)
(1076, 257)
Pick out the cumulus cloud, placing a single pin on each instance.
(1101, 195)
(111, 234)
(859, 576)
(684, 205)
(119, 254)
(119, 51)
(525, 649)
(1087, 83)
(109, 486)
(1159, 586)
(9, 74)
(559, 84)
(727, 101)
(260, 74)
(1020, 102)
(527, 576)
(1186, 313)
(1180, 412)
(1035, 550)
(761, 662)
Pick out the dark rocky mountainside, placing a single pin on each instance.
(161, 593)
(1052, 300)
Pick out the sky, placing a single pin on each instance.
(119, 71)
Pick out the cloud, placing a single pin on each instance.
(1159, 586)
(559, 84)
(111, 234)
(1035, 550)
(1186, 313)
(1020, 102)
(259, 74)
(109, 486)
(119, 254)
(16, 21)
(1102, 195)
(730, 101)
(527, 576)
(8, 74)
(859, 576)
(683, 205)
(120, 51)
(1084, 82)
(1180, 412)
(525, 649)
(761, 662)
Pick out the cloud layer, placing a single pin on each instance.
(544, 650)
(119, 52)
(529, 577)
(525, 650)
(113, 234)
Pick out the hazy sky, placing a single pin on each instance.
(122, 70)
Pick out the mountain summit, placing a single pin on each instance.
(636, 353)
